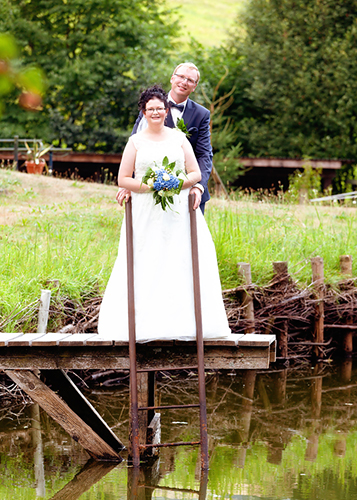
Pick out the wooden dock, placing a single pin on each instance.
(22, 356)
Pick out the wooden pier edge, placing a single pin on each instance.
(21, 353)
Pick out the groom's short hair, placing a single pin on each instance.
(189, 65)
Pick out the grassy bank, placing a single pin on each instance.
(64, 230)
(208, 22)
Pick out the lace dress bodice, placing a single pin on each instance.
(151, 153)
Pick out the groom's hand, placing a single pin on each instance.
(198, 195)
(122, 194)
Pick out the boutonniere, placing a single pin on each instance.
(182, 126)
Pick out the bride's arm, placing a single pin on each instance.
(125, 176)
(193, 171)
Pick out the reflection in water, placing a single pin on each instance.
(291, 434)
(38, 451)
(89, 475)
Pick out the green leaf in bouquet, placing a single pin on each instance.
(148, 174)
(165, 161)
(171, 167)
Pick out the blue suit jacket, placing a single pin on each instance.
(196, 118)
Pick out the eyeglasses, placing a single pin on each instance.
(188, 80)
(152, 110)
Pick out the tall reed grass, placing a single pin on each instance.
(261, 232)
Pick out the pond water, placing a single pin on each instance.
(288, 434)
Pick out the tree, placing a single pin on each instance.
(215, 91)
(96, 55)
(300, 66)
(29, 80)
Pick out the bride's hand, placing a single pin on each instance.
(198, 195)
(122, 194)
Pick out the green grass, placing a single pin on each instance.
(264, 232)
(52, 229)
(207, 21)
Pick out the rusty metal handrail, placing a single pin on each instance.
(134, 410)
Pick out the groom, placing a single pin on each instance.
(184, 81)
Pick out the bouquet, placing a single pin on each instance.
(165, 182)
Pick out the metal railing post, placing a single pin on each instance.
(16, 152)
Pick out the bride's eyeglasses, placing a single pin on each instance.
(183, 78)
(152, 110)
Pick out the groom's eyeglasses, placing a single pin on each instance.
(152, 110)
(183, 78)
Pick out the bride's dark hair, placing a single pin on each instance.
(154, 92)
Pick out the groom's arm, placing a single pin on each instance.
(203, 152)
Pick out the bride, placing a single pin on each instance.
(163, 283)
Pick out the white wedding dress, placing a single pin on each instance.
(163, 284)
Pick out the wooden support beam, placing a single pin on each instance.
(245, 271)
(69, 392)
(282, 334)
(149, 421)
(63, 415)
(280, 380)
(346, 371)
(317, 265)
(249, 378)
(38, 451)
(316, 392)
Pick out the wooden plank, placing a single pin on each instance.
(223, 342)
(157, 343)
(50, 339)
(63, 415)
(25, 339)
(252, 339)
(211, 342)
(5, 337)
(272, 356)
(101, 340)
(151, 343)
(117, 357)
(76, 339)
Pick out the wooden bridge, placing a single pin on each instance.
(22, 356)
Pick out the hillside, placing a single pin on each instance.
(206, 20)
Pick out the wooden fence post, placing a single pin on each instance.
(317, 265)
(346, 265)
(245, 271)
(281, 275)
(43, 311)
(347, 341)
(280, 269)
